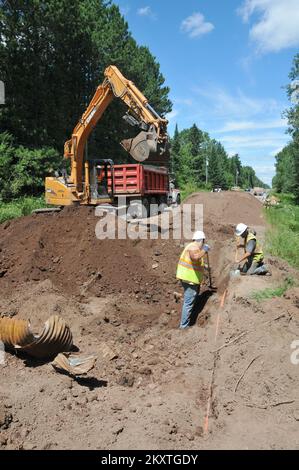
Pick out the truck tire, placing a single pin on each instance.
(135, 209)
(146, 207)
(162, 204)
(153, 210)
(139, 208)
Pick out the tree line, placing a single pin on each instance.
(286, 179)
(53, 55)
(201, 161)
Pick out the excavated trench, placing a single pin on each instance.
(153, 388)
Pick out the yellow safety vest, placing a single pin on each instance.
(258, 254)
(189, 270)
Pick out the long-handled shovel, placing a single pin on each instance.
(210, 274)
(235, 272)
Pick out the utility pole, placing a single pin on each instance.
(207, 169)
(237, 174)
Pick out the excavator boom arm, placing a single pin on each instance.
(153, 139)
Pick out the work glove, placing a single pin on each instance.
(206, 248)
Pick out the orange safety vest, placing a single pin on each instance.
(189, 270)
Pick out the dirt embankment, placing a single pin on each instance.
(121, 294)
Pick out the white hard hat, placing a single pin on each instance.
(199, 235)
(240, 229)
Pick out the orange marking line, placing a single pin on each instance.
(206, 422)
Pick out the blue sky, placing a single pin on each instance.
(226, 63)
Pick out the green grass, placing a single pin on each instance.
(284, 198)
(282, 239)
(20, 207)
(190, 188)
(271, 292)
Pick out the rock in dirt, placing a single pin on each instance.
(106, 352)
(177, 296)
(116, 407)
(126, 380)
(3, 440)
(6, 224)
(5, 417)
(145, 371)
(117, 430)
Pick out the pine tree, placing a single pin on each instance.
(196, 139)
(52, 58)
(175, 160)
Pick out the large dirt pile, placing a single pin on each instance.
(63, 248)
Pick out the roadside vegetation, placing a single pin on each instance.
(191, 187)
(200, 162)
(283, 237)
(271, 292)
(20, 207)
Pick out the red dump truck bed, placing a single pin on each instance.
(137, 179)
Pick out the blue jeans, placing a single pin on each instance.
(190, 294)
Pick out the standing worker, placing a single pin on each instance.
(253, 252)
(190, 271)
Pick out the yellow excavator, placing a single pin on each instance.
(151, 144)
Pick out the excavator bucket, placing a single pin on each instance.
(141, 146)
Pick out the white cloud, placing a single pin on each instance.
(196, 26)
(265, 172)
(145, 11)
(236, 126)
(183, 101)
(253, 140)
(264, 168)
(247, 124)
(170, 116)
(276, 26)
(237, 106)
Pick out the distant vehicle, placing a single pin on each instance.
(248, 190)
(236, 188)
(174, 195)
(258, 191)
(217, 189)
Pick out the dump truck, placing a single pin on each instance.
(148, 188)
(151, 145)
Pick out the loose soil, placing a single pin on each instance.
(123, 294)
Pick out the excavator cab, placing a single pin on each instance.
(101, 180)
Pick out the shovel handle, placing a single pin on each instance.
(209, 269)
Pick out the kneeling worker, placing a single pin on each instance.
(190, 271)
(253, 256)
